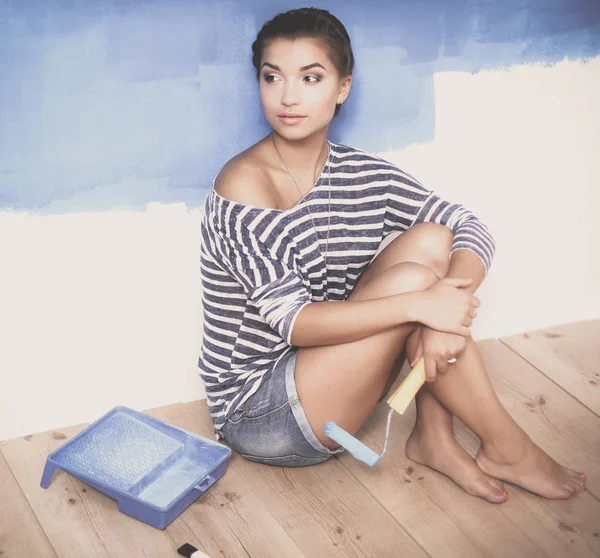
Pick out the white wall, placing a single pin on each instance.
(101, 309)
(98, 309)
(521, 148)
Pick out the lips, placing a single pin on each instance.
(290, 120)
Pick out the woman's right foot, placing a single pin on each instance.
(533, 469)
(444, 454)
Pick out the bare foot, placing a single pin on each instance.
(532, 469)
(446, 455)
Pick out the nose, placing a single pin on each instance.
(289, 95)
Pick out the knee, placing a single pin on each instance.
(409, 276)
(433, 243)
(400, 278)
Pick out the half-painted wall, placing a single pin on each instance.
(108, 107)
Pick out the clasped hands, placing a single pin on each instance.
(438, 348)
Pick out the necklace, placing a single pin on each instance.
(308, 208)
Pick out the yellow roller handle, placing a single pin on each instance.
(401, 398)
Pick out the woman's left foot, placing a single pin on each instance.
(446, 455)
(533, 469)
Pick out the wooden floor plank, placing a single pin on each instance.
(78, 520)
(440, 516)
(557, 422)
(229, 520)
(567, 431)
(418, 497)
(343, 508)
(322, 508)
(568, 354)
(550, 524)
(20, 532)
(559, 528)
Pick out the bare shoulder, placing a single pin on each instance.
(243, 179)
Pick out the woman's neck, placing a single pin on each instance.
(303, 156)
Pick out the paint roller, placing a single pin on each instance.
(398, 401)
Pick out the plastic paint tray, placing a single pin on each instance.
(153, 470)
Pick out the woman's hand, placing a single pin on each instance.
(446, 307)
(436, 347)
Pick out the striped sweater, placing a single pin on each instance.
(261, 266)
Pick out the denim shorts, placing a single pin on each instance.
(271, 427)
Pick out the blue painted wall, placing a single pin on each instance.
(112, 104)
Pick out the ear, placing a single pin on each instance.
(345, 86)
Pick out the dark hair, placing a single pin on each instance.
(308, 23)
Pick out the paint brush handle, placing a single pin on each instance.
(401, 398)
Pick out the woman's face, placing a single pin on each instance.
(297, 76)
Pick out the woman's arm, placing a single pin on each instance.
(436, 346)
(445, 306)
(409, 203)
(333, 323)
(464, 263)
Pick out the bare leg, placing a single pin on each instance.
(358, 381)
(437, 448)
(432, 441)
(349, 370)
(506, 452)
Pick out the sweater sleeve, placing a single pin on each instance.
(409, 203)
(277, 291)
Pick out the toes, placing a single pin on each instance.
(496, 485)
(563, 493)
(576, 484)
(571, 487)
(498, 497)
(575, 481)
(575, 488)
(494, 491)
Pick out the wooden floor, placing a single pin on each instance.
(550, 382)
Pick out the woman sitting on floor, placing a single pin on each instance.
(303, 325)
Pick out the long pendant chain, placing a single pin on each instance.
(308, 208)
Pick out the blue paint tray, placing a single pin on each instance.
(152, 469)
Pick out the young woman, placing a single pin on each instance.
(303, 325)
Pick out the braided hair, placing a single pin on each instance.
(308, 23)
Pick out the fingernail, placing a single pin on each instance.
(583, 475)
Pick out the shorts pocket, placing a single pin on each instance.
(236, 416)
(250, 416)
(291, 460)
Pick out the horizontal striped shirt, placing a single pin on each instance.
(261, 266)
